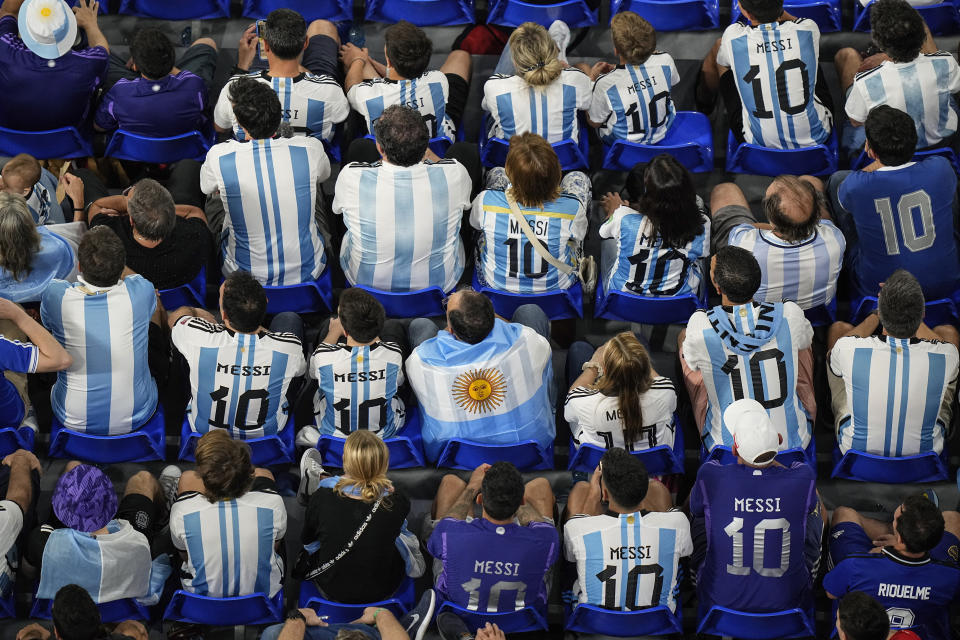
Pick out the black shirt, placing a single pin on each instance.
(374, 568)
(173, 262)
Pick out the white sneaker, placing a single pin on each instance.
(169, 482)
(308, 437)
(311, 471)
(560, 33)
(30, 420)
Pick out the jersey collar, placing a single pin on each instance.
(892, 553)
(91, 289)
(265, 74)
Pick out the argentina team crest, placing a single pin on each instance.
(479, 390)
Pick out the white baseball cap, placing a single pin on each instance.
(47, 27)
(754, 436)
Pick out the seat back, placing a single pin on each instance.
(943, 18)
(403, 452)
(12, 439)
(689, 140)
(558, 305)
(192, 294)
(525, 455)
(241, 610)
(792, 623)
(722, 454)
(571, 153)
(627, 307)
(423, 13)
(823, 315)
(413, 304)
(333, 10)
(526, 619)
(113, 611)
(513, 13)
(658, 461)
(338, 612)
(264, 451)
(144, 444)
(818, 160)
(826, 13)
(125, 145)
(673, 15)
(177, 9)
(65, 142)
(655, 621)
(863, 159)
(867, 467)
(307, 297)
(935, 312)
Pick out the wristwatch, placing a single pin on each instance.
(593, 365)
(296, 614)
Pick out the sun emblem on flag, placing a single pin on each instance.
(479, 390)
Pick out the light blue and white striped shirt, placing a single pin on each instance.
(428, 94)
(551, 111)
(269, 193)
(108, 390)
(633, 101)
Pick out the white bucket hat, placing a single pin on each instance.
(47, 27)
(756, 438)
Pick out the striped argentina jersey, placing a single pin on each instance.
(751, 351)
(310, 104)
(595, 418)
(627, 561)
(645, 266)
(403, 224)
(238, 381)
(633, 101)
(108, 390)
(775, 66)
(507, 260)
(11, 523)
(495, 391)
(269, 193)
(230, 543)
(896, 394)
(805, 272)
(923, 88)
(550, 112)
(42, 200)
(357, 388)
(428, 94)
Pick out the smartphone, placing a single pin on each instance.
(261, 27)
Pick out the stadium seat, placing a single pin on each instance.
(525, 455)
(818, 160)
(823, 315)
(113, 611)
(424, 303)
(629, 307)
(826, 13)
(333, 10)
(863, 160)
(673, 15)
(513, 13)
(658, 461)
(306, 297)
(943, 19)
(176, 9)
(723, 455)
(8, 606)
(12, 439)
(868, 467)
(689, 140)
(192, 294)
(523, 620)
(572, 154)
(65, 142)
(423, 13)
(337, 612)
(935, 312)
(594, 620)
(438, 145)
(146, 443)
(265, 451)
(792, 623)
(406, 447)
(558, 305)
(124, 145)
(241, 610)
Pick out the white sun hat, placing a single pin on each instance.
(47, 27)
(756, 438)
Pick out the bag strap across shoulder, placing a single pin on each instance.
(538, 246)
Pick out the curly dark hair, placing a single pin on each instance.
(898, 29)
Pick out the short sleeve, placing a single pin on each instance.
(434, 545)
(839, 358)
(223, 111)
(209, 173)
(739, 233)
(856, 105)
(8, 24)
(684, 539)
(144, 291)
(674, 74)
(724, 53)
(572, 411)
(346, 191)
(182, 336)
(611, 227)
(599, 106)
(836, 582)
(279, 518)
(694, 347)
(358, 95)
(338, 107)
(953, 79)
(319, 162)
(584, 91)
(843, 191)
(697, 498)
(570, 541)
(21, 357)
(104, 117)
(800, 328)
(177, 512)
(462, 184)
(476, 211)
(11, 523)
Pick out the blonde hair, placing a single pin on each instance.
(633, 37)
(627, 373)
(535, 55)
(19, 238)
(533, 169)
(365, 463)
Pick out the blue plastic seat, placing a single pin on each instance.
(338, 612)
(264, 451)
(65, 142)
(438, 145)
(148, 442)
(423, 13)
(405, 448)
(523, 620)
(113, 611)
(658, 461)
(628, 307)
(513, 13)
(673, 15)
(689, 140)
(12, 439)
(8, 606)
(333, 10)
(826, 13)
(792, 623)
(935, 312)
(947, 152)
(943, 19)
(125, 145)
(241, 610)
(868, 467)
(823, 315)
(176, 9)
(558, 305)
(655, 621)
(424, 303)
(192, 294)
(724, 455)
(818, 160)
(306, 297)
(572, 154)
(525, 455)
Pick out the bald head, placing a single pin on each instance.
(792, 206)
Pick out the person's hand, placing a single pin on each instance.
(33, 631)
(311, 617)
(26, 456)
(351, 52)
(9, 310)
(368, 615)
(335, 330)
(476, 478)
(87, 12)
(490, 632)
(612, 201)
(73, 187)
(886, 540)
(873, 61)
(600, 68)
(247, 47)
(132, 629)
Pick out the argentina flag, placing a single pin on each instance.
(494, 392)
